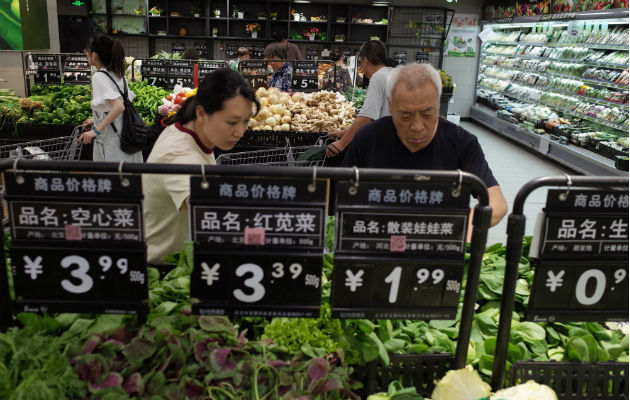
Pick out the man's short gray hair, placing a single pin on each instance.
(413, 75)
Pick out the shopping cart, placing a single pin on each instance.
(59, 148)
(293, 156)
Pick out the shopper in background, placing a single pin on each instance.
(337, 79)
(416, 137)
(372, 58)
(216, 116)
(108, 56)
(293, 52)
(282, 71)
(243, 54)
(190, 54)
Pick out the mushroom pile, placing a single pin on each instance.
(320, 112)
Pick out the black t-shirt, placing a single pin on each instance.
(377, 145)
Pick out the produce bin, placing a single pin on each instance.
(419, 370)
(576, 381)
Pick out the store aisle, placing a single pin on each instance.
(513, 167)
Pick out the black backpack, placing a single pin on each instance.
(136, 135)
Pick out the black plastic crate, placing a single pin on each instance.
(26, 132)
(575, 381)
(418, 370)
(8, 130)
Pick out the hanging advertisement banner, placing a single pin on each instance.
(24, 25)
(461, 40)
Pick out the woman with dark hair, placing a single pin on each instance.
(216, 116)
(282, 71)
(108, 57)
(337, 77)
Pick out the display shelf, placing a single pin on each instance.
(566, 76)
(547, 44)
(565, 60)
(564, 110)
(569, 155)
(308, 22)
(548, 89)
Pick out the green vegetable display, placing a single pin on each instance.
(176, 355)
(62, 104)
(148, 99)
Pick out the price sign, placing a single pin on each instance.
(81, 280)
(78, 242)
(75, 63)
(48, 78)
(254, 72)
(269, 284)
(400, 250)
(401, 289)
(205, 67)
(305, 76)
(312, 53)
(595, 291)
(583, 267)
(202, 49)
(558, 16)
(178, 47)
(167, 73)
(262, 238)
(255, 51)
(505, 20)
(46, 62)
(78, 77)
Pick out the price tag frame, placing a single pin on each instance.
(85, 192)
(59, 74)
(168, 73)
(259, 79)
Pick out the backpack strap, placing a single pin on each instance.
(125, 94)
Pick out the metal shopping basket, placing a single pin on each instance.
(294, 156)
(60, 148)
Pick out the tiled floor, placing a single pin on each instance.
(513, 167)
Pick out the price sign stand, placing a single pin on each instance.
(305, 76)
(55, 69)
(168, 73)
(258, 246)
(400, 250)
(581, 275)
(77, 242)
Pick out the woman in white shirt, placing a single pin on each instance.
(217, 116)
(107, 55)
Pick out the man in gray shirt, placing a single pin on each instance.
(293, 52)
(372, 58)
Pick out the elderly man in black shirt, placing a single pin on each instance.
(416, 137)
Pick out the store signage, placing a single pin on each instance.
(254, 72)
(167, 73)
(582, 273)
(78, 242)
(505, 20)
(258, 246)
(202, 49)
(255, 51)
(397, 244)
(76, 69)
(178, 47)
(54, 69)
(305, 77)
(205, 67)
(312, 53)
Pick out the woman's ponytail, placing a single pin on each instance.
(117, 61)
(111, 52)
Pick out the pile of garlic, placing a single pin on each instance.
(320, 112)
(274, 114)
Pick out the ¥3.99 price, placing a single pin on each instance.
(82, 273)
